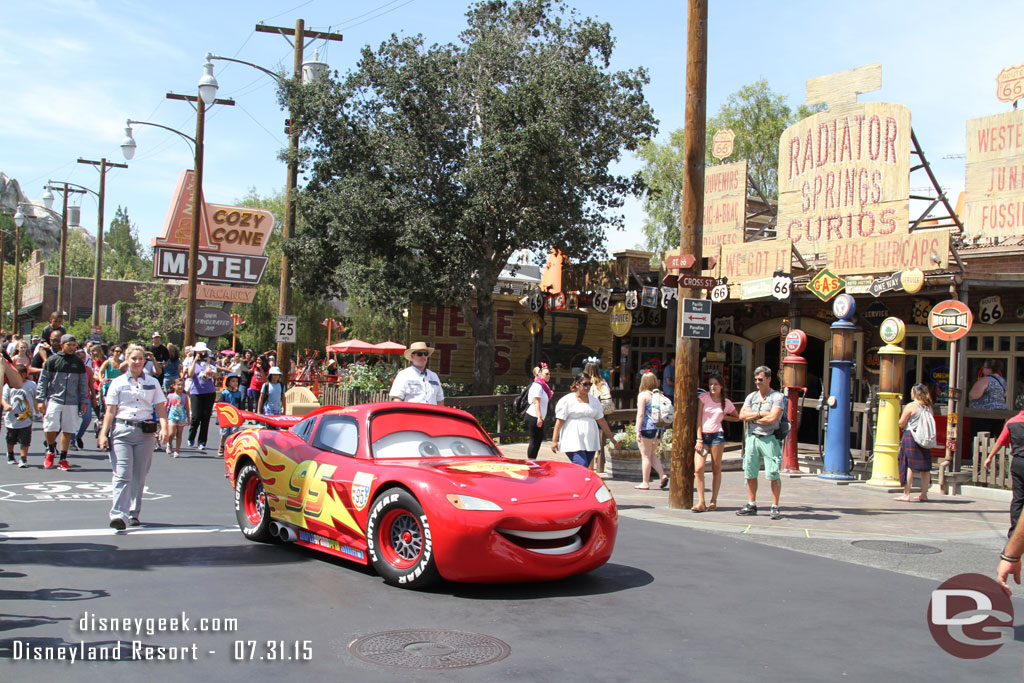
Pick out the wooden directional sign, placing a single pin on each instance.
(695, 282)
(697, 318)
(680, 261)
(886, 284)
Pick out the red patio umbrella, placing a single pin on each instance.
(353, 346)
(390, 348)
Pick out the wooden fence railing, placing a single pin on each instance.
(996, 475)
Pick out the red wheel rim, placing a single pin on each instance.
(254, 500)
(401, 539)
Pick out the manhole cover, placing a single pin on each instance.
(429, 649)
(898, 547)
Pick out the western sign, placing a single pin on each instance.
(231, 269)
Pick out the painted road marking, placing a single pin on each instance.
(106, 531)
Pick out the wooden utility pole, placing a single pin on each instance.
(684, 425)
(97, 273)
(285, 298)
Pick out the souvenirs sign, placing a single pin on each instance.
(826, 285)
(722, 144)
(994, 192)
(755, 260)
(844, 173)
(950, 320)
(725, 203)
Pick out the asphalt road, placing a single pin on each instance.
(676, 603)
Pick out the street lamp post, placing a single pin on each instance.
(19, 222)
(64, 188)
(305, 71)
(207, 98)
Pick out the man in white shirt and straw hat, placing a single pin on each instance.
(417, 383)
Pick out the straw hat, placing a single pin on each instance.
(417, 346)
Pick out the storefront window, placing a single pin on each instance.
(974, 371)
(935, 374)
(910, 344)
(1004, 343)
(972, 343)
(926, 343)
(988, 343)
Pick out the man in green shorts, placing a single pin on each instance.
(762, 411)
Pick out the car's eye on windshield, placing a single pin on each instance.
(429, 450)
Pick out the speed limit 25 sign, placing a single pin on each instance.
(286, 329)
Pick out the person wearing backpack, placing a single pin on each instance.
(918, 424)
(762, 411)
(18, 411)
(538, 395)
(647, 432)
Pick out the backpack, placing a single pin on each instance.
(782, 431)
(662, 412)
(19, 405)
(924, 431)
(522, 401)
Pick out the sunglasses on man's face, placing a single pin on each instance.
(759, 379)
(420, 353)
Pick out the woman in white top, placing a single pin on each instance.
(647, 434)
(131, 400)
(538, 397)
(712, 408)
(912, 457)
(579, 421)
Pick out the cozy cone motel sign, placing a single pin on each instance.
(232, 240)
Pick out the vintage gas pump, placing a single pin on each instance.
(794, 380)
(837, 439)
(885, 470)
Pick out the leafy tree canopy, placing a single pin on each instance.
(432, 166)
(757, 116)
(261, 315)
(124, 257)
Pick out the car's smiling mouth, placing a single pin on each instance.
(559, 542)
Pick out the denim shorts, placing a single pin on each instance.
(649, 433)
(714, 439)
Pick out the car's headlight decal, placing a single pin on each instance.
(464, 502)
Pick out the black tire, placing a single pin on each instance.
(251, 509)
(399, 542)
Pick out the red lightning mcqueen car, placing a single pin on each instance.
(418, 491)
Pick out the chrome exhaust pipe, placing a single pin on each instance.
(275, 529)
(287, 534)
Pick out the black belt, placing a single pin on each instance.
(130, 423)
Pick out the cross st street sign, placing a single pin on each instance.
(697, 318)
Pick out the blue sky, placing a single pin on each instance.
(74, 70)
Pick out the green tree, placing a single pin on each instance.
(79, 257)
(432, 166)
(124, 257)
(154, 309)
(757, 116)
(9, 232)
(261, 315)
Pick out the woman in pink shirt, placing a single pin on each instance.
(713, 407)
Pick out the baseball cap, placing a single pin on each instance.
(68, 338)
(156, 334)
